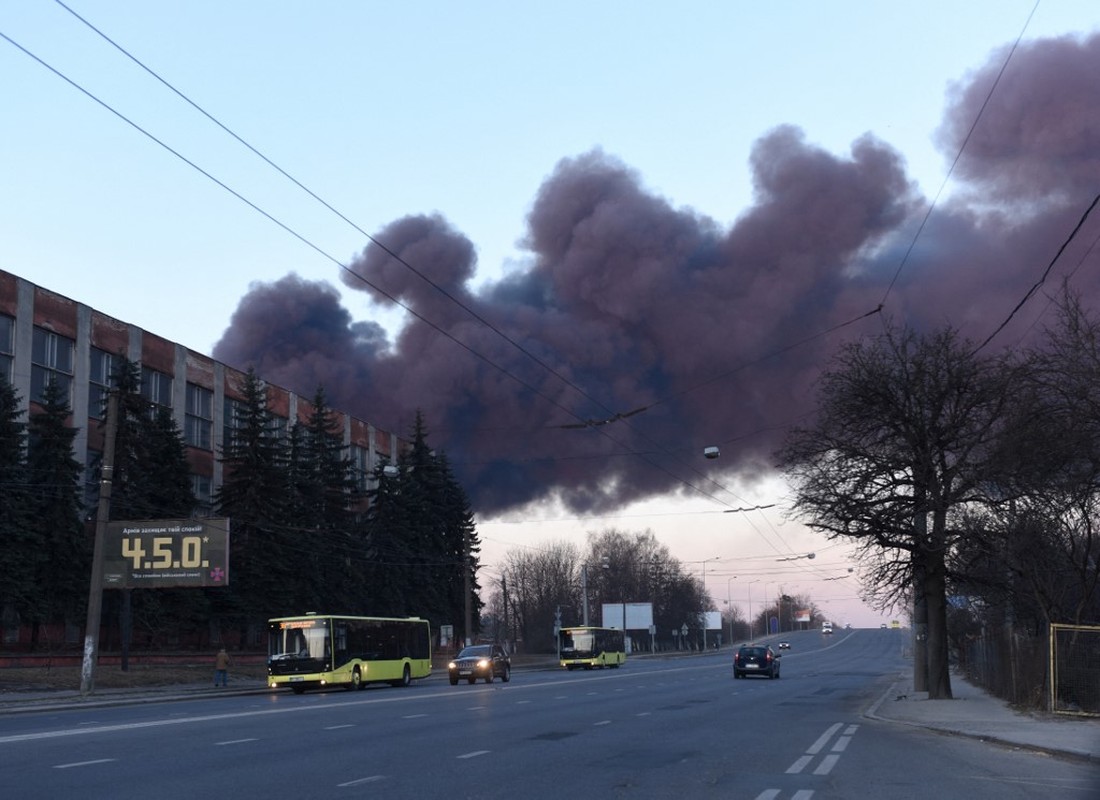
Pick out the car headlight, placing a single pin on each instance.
(483, 663)
(452, 665)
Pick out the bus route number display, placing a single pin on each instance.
(166, 553)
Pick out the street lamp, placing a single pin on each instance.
(729, 605)
(704, 599)
(767, 622)
(810, 556)
(750, 609)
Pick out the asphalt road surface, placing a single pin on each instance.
(657, 728)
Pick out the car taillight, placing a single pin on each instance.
(768, 657)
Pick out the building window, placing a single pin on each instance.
(204, 502)
(51, 362)
(156, 387)
(361, 466)
(7, 346)
(231, 420)
(92, 463)
(101, 379)
(198, 422)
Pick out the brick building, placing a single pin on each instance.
(45, 336)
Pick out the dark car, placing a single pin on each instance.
(755, 659)
(486, 661)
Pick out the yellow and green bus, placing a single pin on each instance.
(590, 647)
(321, 650)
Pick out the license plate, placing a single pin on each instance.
(296, 678)
(465, 672)
(752, 666)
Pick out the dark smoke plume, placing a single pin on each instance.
(638, 304)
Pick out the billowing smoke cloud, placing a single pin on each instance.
(712, 329)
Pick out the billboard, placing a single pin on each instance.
(160, 553)
(638, 616)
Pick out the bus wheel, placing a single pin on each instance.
(405, 679)
(356, 680)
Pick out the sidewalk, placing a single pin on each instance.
(971, 713)
(977, 715)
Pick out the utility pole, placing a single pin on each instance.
(95, 586)
(466, 567)
(504, 594)
(584, 592)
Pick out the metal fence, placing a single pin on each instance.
(1058, 671)
(1075, 669)
(1008, 664)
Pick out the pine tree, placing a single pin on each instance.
(152, 480)
(325, 492)
(422, 539)
(255, 496)
(18, 548)
(64, 543)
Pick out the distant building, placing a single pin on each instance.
(46, 336)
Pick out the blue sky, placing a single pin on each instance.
(464, 110)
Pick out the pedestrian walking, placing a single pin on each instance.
(221, 668)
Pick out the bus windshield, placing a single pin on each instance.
(579, 644)
(296, 639)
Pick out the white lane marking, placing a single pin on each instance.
(161, 723)
(643, 713)
(413, 716)
(358, 781)
(825, 737)
(826, 765)
(799, 765)
(234, 741)
(337, 727)
(83, 763)
(841, 744)
(768, 794)
(474, 754)
(601, 722)
(850, 730)
(522, 702)
(803, 794)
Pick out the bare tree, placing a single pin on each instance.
(1044, 539)
(904, 431)
(540, 587)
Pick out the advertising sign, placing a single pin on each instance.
(160, 553)
(637, 616)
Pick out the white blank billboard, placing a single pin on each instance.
(639, 616)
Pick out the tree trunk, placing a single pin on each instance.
(920, 625)
(935, 594)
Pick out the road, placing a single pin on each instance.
(657, 728)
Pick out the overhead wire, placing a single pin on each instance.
(582, 423)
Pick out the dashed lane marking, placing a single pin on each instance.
(83, 763)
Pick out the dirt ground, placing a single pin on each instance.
(44, 678)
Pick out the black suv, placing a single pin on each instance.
(755, 659)
(486, 661)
